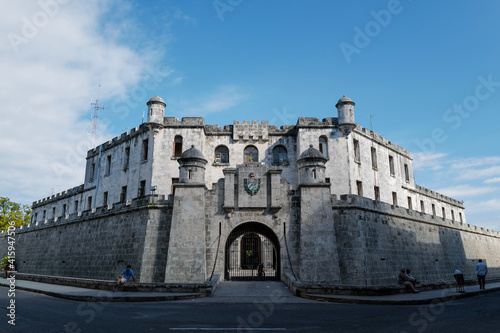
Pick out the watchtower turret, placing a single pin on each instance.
(156, 110)
(345, 109)
(192, 166)
(311, 167)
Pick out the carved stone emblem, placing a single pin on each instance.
(251, 184)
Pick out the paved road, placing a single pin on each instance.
(265, 307)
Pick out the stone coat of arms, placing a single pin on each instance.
(251, 184)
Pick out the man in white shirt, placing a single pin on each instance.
(481, 270)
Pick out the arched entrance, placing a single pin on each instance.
(252, 253)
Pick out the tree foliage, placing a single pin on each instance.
(12, 211)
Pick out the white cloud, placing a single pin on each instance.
(475, 161)
(46, 85)
(179, 15)
(466, 190)
(484, 206)
(222, 99)
(472, 173)
(492, 180)
(427, 161)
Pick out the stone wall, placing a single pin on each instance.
(97, 245)
(375, 240)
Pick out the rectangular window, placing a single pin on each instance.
(356, 151)
(145, 147)
(391, 165)
(127, 158)
(92, 174)
(433, 210)
(394, 198)
(174, 181)
(36, 217)
(53, 212)
(359, 186)
(108, 166)
(177, 146)
(89, 203)
(409, 203)
(327, 180)
(142, 189)
(452, 215)
(105, 199)
(407, 173)
(64, 210)
(44, 214)
(374, 158)
(376, 189)
(76, 206)
(444, 213)
(123, 195)
(461, 218)
(422, 207)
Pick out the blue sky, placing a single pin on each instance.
(427, 72)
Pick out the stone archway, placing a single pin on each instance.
(252, 252)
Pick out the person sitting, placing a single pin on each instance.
(125, 276)
(411, 278)
(403, 279)
(10, 271)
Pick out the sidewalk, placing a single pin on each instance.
(230, 292)
(93, 295)
(423, 297)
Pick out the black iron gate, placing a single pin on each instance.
(252, 253)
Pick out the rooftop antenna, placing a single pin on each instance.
(94, 118)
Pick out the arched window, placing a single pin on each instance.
(221, 155)
(250, 154)
(323, 146)
(177, 146)
(280, 155)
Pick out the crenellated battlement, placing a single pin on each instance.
(124, 137)
(313, 122)
(184, 122)
(246, 130)
(438, 196)
(149, 201)
(58, 196)
(383, 141)
(351, 201)
(217, 130)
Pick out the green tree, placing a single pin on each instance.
(12, 211)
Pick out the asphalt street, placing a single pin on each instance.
(267, 308)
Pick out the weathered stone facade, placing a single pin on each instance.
(328, 202)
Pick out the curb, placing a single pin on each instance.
(450, 298)
(105, 299)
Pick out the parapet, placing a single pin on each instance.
(255, 130)
(117, 140)
(382, 141)
(351, 201)
(147, 202)
(314, 122)
(58, 196)
(185, 122)
(438, 196)
(217, 130)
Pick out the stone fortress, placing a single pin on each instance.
(325, 203)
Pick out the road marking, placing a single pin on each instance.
(225, 329)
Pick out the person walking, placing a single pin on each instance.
(481, 270)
